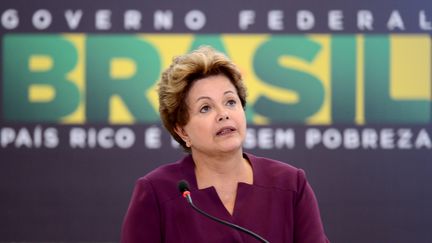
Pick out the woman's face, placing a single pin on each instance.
(217, 120)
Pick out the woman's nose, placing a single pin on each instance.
(223, 116)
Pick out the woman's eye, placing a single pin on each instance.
(232, 102)
(205, 109)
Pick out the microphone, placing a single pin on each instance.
(183, 186)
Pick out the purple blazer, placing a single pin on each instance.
(280, 206)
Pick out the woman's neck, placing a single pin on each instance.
(222, 169)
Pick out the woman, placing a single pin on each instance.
(202, 100)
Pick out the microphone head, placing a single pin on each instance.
(183, 186)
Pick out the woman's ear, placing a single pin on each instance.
(182, 133)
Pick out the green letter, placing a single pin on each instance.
(343, 78)
(309, 88)
(379, 106)
(22, 71)
(102, 51)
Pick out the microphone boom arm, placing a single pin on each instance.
(186, 194)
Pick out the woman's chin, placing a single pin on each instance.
(230, 147)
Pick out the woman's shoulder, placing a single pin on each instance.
(164, 172)
(276, 174)
(164, 179)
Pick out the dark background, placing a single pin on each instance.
(76, 195)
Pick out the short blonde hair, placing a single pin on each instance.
(177, 80)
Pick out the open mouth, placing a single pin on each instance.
(225, 130)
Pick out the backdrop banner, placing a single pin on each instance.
(341, 89)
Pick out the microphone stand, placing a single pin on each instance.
(188, 197)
